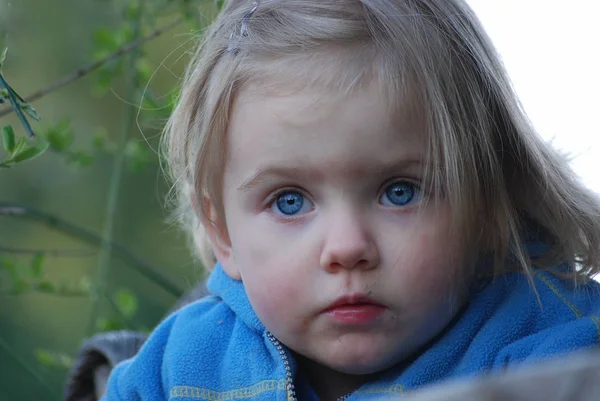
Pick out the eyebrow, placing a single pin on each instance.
(267, 172)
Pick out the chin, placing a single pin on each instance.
(358, 370)
(361, 364)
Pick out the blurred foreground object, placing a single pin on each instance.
(99, 354)
(570, 378)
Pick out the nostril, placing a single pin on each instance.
(335, 266)
(349, 249)
(366, 264)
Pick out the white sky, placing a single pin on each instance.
(551, 49)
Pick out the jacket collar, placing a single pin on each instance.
(233, 293)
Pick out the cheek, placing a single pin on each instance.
(429, 265)
(259, 240)
(280, 300)
(275, 269)
(272, 296)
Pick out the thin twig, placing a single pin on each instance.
(15, 102)
(94, 66)
(87, 236)
(62, 253)
(58, 293)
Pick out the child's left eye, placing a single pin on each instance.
(291, 203)
(400, 193)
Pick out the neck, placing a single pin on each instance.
(329, 384)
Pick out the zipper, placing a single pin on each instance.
(289, 386)
(289, 380)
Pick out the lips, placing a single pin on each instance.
(349, 300)
(354, 310)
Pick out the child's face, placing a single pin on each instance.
(321, 200)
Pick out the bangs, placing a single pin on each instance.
(340, 70)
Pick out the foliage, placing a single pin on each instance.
(117, 54)
(20, 106)
(19, 150)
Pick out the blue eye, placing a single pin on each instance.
(291, 203)
(400, 194)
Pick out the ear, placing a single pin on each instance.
(218, 235)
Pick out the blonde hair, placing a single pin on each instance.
(502, 180)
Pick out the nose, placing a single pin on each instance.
(348, 244)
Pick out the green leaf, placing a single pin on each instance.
(46, 286)
(105, 77)
(7, 264)
(50, 359)
(44, 357)
(8, 138)
(108, 325)
(37, 265)
(132, 11)
(64, 361)
(10, 266)
(151, 103)
(60, 137)
(20, 145)
(16, 103)
(80, 158)
(126, 302)
(30, 111)
(143, 69)
(126, 35)
(29, 153)
(101, 142)
(19, 286)
(137, 155)
(105, 40)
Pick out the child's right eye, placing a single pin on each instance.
(291, 203)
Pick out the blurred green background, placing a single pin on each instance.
(48, 40)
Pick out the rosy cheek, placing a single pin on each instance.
(427, 264)
(275, 301)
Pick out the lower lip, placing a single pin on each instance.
(355, 314)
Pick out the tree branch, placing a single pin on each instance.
(57, 293)
(58, 253)
(87, 236)
(94, 66)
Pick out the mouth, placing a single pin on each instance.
(354, 310)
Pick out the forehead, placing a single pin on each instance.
(331, 130)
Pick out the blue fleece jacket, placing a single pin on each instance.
(217, 349)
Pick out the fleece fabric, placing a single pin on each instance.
(217, 348)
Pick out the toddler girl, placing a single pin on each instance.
(381, 213)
